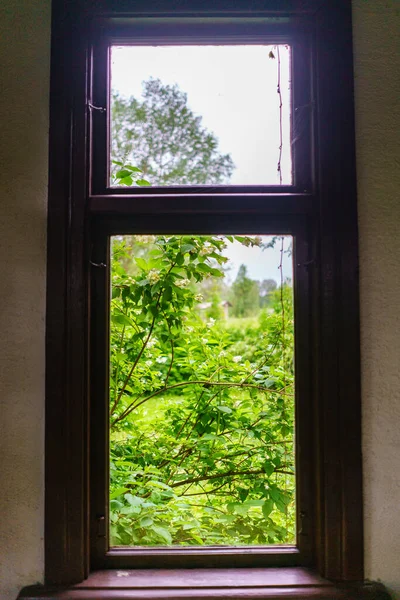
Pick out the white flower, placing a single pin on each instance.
(153, 276)
(151, 343)
(204, 340)
(211, 322)
(145, 239)
(190, 329)
(161, 359)
(206, 250)
(149, 363)
(199, 297)
(237, 359)
(222, 354)
(181, 283)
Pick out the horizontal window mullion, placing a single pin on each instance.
(186, 203)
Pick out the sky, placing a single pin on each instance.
(234, 89)
(261, 264)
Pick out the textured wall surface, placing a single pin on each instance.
(24, 83)
(377, 95)
(24, 61)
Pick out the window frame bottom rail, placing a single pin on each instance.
(209, 584)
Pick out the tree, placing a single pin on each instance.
(163, 138)
(267, 287)
(245, 294)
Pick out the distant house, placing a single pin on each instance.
(225, 304)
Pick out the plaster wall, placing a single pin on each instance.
(24, 77)
(24, 87)
(376, 25)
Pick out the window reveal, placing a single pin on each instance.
(318, 208)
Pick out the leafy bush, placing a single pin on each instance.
(201, 409)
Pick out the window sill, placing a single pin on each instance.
(219, 584)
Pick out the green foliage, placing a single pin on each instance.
(165, 140)
(201, 410)
(245, 294)
(267, 287)
(124, 174)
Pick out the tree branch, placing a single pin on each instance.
(199, 382)
(226, 474)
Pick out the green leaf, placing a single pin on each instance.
(133, 500)
(159, 484)
(225, 409)
(142, 182)
(128, 181)
(243, 493)
(123, 173)
(187, 248)
(256, 502)
(204, 268)
(162, 533)
(267, 508)
(216, 273)
(153, 310)
(130, 510)
(133, 169)
(141, 263)
(279, 498)
(146, 522)
(268, 467)
(121, 320)
(167, 295)
(118, 492)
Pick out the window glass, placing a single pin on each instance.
(201, 391)
(200, 115)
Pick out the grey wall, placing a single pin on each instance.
(24, 76)
(24, 86)
(377, 95)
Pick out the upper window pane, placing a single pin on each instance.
(200, 115)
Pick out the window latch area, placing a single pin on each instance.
(100, 265)
(101, 109)
(101, 526)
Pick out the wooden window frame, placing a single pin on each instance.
(330, 209)
(103, 557)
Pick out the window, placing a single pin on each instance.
(233, 92)
(99, 197)
(201, 437)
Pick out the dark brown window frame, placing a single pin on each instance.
(330, 210)
(205, 557)
(169, 31)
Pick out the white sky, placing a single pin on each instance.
(261, 264)
(234, 89)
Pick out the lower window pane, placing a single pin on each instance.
(201, 391)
